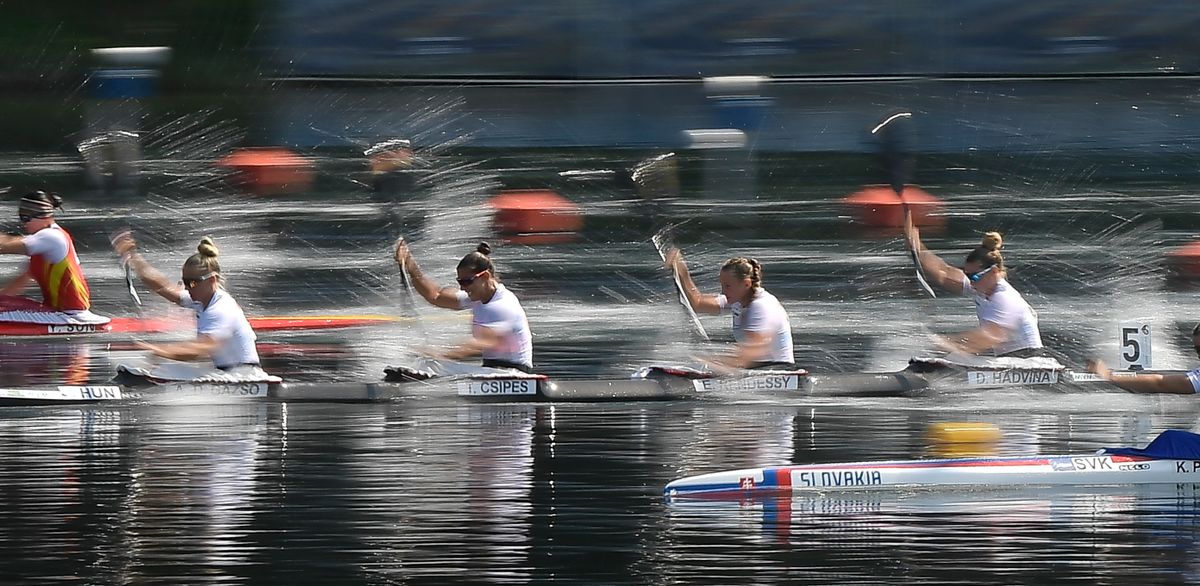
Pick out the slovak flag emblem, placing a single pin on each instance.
(746, 483)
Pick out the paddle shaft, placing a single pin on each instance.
(897, 165)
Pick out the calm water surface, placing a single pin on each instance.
(432, 489)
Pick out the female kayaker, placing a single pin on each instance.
(760, 324)
(223, 334)
(1008, 326)
(499, 329)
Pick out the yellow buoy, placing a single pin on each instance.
(962, 433)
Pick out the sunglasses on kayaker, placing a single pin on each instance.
(975, 277)
(467, 282)
(191, 283)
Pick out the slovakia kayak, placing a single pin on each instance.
(1172, 458)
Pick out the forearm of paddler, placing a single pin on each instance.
(699, 302)
(979, 339)
(940, 272)
(152, 278)
(199, 349)
(10, 244)
(484, 338)
(17, 285)
(1175, 384)
(472, 347)
(749, 351)
(425, 286)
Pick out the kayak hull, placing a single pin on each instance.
(1090, 469)
(658, 386)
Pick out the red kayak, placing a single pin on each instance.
(151, 325)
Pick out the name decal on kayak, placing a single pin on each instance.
(837, 478)
(498, 387)
(216, 389)
(1081, 464)
(92, 393)
(75, 328)
(1013, 377)
(765, 382)
(64, 393)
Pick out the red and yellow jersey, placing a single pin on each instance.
(62, 283)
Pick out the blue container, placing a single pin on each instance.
(122, 83)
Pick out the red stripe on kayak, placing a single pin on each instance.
(143, 325)
(783, 478)
(149, 325)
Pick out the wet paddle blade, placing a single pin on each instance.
(912, 253)
(133, 294)
(661, 244)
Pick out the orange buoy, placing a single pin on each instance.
(878, 206)
(536, 217)
(1184, 262)
(269, 171)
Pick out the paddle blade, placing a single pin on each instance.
(912, 252)
(133, 294)
(662, 244)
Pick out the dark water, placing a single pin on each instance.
(383, 494)
(433, 489)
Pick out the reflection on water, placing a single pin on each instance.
(942, 536)
(300, 493)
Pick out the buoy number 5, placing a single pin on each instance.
(1133, 351)
(1135, 346)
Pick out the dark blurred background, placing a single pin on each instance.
(987, 75)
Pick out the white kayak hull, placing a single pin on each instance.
(1092, 469)
(657, 384)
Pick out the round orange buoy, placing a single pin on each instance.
(962, 433)
(1184, 262)
(536, 217)
(879, 206)
(269, 171)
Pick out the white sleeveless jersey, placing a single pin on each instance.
(505, 316)
(1007, 309)
(765, 315)
(1194, 378)
(51, 243)
(224, 321)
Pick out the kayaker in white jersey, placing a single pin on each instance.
(1008, 326)
(760, 324)
(1149, 382)
(223, 334)
(499, 329)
